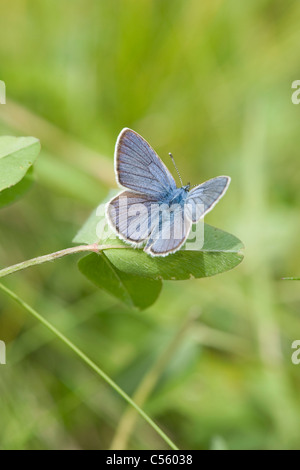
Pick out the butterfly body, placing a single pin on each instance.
(178, 196)
(152, 210)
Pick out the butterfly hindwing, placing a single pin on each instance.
(169, 234)
(203, 198)
(132, 216)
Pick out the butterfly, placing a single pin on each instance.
(153, 211)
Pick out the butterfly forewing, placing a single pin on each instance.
(139, 168)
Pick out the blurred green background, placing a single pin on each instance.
(210, 82)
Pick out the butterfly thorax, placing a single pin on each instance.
(178, 196)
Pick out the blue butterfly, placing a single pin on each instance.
(155, 212)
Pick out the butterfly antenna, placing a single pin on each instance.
(172, 158)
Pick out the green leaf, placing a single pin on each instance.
(132, 290)
(17, 155)
(10, 195)
(221, 252)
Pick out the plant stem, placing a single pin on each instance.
(52, 256)
(87, 360)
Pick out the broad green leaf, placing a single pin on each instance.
(17, 155)
(10, 195)
(221, 252)
(134, 291)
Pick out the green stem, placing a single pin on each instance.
(85, 358)
(52, 256)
